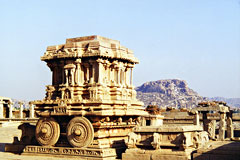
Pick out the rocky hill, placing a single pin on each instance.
(168, 93)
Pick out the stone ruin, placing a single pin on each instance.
(225, 114)
(8, 112)
(91, 111)
(5, 107)
(153, 140)
(91, 105)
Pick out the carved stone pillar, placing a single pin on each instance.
(230, 129)
(118, 76)
(212, 128)
(115, 72)
(131, 83)
(86, 65)
(62, 72)
(78, 72)
(196, 120)
(222, 126)
(21, 110)
(54, 74)
(122, 77)
(10, 105)
(72, 71)
(31, 110)
(93, 78)
(112, 75)
(1, 108)
(108, 73)
(127, 78)
(100, 70)
(66, 75)
(205, 121)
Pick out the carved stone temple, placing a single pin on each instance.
(91, 101)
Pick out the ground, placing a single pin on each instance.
(6, 136)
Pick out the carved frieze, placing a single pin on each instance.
(89, 152)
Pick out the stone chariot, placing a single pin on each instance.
(91, 102)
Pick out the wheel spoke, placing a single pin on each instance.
(47, 131)
(80, 132)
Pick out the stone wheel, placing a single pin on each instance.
(80, 132)
(47, 131)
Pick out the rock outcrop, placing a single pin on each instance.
(168, 93)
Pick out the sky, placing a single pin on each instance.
(193, 40)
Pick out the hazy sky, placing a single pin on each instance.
(194, 40)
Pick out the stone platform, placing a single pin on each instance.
(163, 154)
(80, 153)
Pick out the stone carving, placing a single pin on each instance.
(47, 131)
(153, 141)
(80, 132)
(50, 89)
(209, 125)
(156, 140)
(211, 129)
(133, 138)
(99, 153)
(91, 92)
(230, 125)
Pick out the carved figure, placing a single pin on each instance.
(156, 140)
(133, 138)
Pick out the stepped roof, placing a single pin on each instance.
(90, 46)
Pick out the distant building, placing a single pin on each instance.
(4, 107)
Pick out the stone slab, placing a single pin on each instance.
(135, 156)
(168, 157)
(67, 151)
(161, 154)
(168, 128)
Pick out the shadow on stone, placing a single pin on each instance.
(2, 147)
(220, 150)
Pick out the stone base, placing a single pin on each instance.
(161, 154)
(80, 153)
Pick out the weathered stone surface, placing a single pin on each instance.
(89, 152)
(135, 156)
(163, 154)
(168, 128)
(168, 157)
